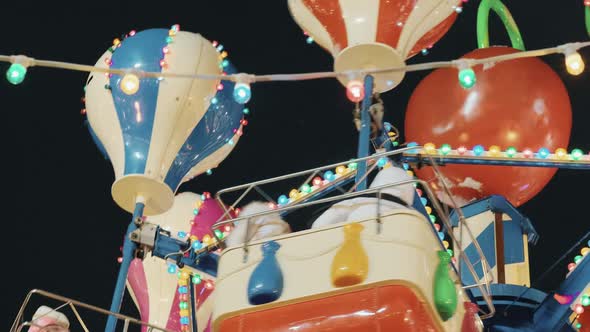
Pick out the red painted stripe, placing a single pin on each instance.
(329, 13)
(434, 35)
(392, 12)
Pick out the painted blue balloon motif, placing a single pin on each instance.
(266, 282)
(215, 129)
(144, 50)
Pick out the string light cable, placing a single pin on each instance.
(574, 64)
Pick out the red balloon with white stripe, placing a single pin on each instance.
(374, 34)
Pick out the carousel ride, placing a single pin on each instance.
(165, 106)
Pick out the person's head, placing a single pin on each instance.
(392, 175)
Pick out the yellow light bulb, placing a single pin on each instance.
(561, 153)
(430, 148)
(585, 251)
(428, 209)
(129, 84)
(574, 63)
(446, 244)
(340, 170)
(494, 150)
(293, 193)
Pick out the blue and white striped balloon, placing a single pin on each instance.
(171, 129)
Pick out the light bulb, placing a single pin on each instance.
(478, 150)
(511, 152)
(355, 91)
(430, 148)
(467, 78)
(329, 176)
(445, 149)
(306, 188)
(561, 153)
(574, 63)
(494, 150)
(577, 154)
(283, 200)
(242, 93)
(543, 153)
(129, 84)
(16, 73)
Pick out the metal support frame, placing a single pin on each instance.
(484, 287)
(129, 248)
(19, 323)
(424, 159)
(364, 135)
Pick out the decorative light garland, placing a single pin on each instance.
(574, 64)
(543, 153)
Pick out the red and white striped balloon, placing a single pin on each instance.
(374, 34)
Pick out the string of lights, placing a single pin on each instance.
(574, 64)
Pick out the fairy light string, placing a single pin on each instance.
(566, 49)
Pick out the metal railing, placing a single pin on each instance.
(19, 322)
(484, 287)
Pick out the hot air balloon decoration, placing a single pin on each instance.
(158, 131)
(374, 34)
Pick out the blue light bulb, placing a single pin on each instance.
(382, 162)
(478, 150)
(197, 245)
(543, 153)
(329, 176)
(242, 93)
(283, 199)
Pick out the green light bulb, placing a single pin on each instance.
(585, 300)
(467, 78)
(511, 152)
(432, 217)
(577, 154)
(183, 305)
(16, 73)
(577, 259)
(197, 279)
(218, 233)
(579, 326)
(445, 149)
(352, 166)
(306, 188)
(246, 111)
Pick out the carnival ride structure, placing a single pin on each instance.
(165, 105)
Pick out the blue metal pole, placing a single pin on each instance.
(193, 299)
(364, 135)
(128, 250)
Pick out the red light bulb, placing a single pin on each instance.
(317, 181)
(355, 91)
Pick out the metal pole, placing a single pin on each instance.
(193, 301)
(128, 252)
(364, 135)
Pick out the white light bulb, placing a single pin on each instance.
(574, 63)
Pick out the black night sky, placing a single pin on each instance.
(62, 229)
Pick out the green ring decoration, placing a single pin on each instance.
(483, 15)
